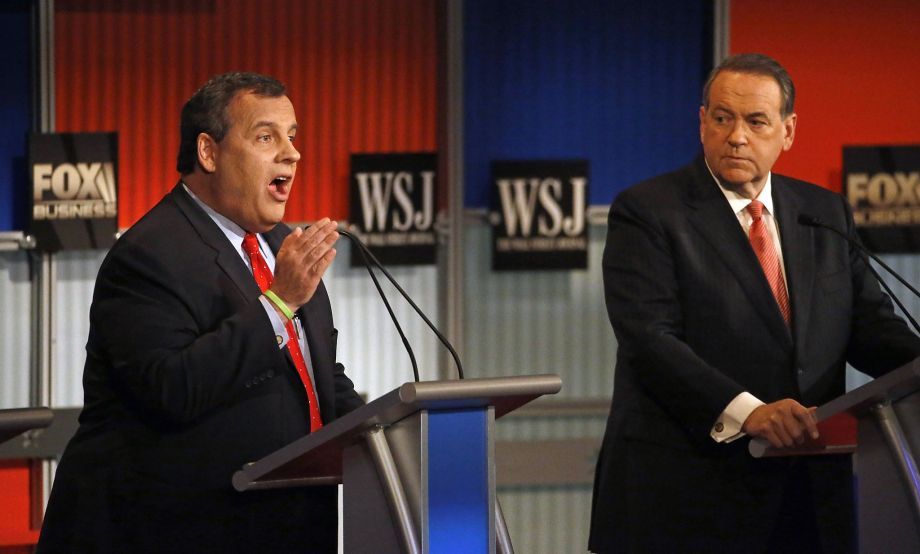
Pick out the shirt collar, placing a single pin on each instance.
(231, 230)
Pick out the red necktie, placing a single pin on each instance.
(264, 278)
(769, 261)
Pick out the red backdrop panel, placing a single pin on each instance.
(856, 67)
(16, 529)
(362, 76)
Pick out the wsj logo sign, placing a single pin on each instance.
(71, 191)
(519, 203)
(882, 184)
(74, 190)
(539, 215)
(379, 191)
(393, 206)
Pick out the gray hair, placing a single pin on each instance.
(756, 64)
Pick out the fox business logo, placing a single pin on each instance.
(881, 199)
(74, 191)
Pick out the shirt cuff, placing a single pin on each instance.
(728, 426)
(277, 325)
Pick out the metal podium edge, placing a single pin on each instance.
(505, 393)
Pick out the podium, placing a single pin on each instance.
(16, 421)
(885, 413)
(417, 465)
(20, 477)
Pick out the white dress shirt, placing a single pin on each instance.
(727, 426)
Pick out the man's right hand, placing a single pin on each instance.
(785, 423)
(304, 257)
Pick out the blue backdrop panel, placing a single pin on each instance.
(458, 482)
(15, 111)
(615, 82)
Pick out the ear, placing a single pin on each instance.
(702, 121)
(789, 131)
(207, 152)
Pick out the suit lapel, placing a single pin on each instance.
(712, 217)
(798, 253)
(226, 258)
(231, 263)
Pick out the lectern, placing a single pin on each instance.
(16, 421)
(20, 483)
(417, 465)
(887, 420)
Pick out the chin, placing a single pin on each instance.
(266, 222)
(270, 223)
(734, 179)
(274, 214)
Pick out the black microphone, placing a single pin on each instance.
(386, 303)
(368, 258)
(814, 221)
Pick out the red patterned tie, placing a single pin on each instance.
(264, 278)
(769, 261)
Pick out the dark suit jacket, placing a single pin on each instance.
(697, 324)
(184, 383)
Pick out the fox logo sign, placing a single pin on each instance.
(539, 215)
(70, 191)
(74, 190)
(882, 185)
(393, 206)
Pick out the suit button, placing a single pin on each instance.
(248, 384)
(270, 373)
(719, 427)
(800, 371)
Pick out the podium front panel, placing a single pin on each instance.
(368, 528)
(460, 478)
(444, 460)
(417, 465)
(886, 519)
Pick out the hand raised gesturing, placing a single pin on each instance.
(304, 257)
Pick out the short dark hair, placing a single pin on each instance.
(757, 64)
(206, 110)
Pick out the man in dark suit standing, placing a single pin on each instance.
(211, 345)
(733, 320)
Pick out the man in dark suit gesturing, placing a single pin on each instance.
(211, 345)
(733, 320)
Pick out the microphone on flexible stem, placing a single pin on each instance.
(365, 254)
(813, 221)
(386, 303)
(369, 259)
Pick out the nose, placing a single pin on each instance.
(289, 154)
(737, 137)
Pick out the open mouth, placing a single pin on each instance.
(280, 187)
